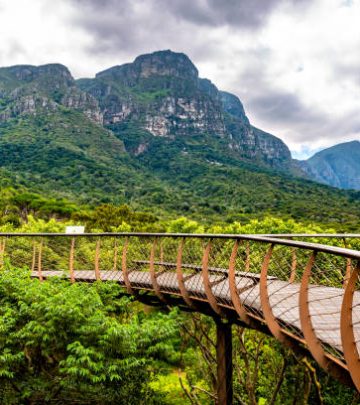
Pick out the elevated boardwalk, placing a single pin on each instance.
(284, 298)
(305, 294)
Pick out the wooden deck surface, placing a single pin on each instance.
(325, 302)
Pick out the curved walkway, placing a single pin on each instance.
(305, 294)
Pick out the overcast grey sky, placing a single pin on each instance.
(295, 64)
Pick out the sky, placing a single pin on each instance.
(295, 64)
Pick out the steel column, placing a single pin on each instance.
(293, 266)
(348, 267)
(2, 252)
(224, 363)
(247, 260)
(33, 263)
(40, 276)
(116, 248)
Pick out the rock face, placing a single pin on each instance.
(27, 89)
(233, 106)
(162, 94)
(158, 96)
(163, 91)
(163, 63)
(272, 149)
(338, 166)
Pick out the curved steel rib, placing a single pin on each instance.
(233, 288)
(153, 275)
(180, 277)
(206, 280)
(270, 318)
(333, 366)
(351, 352)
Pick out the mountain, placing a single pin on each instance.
(161, 95)
(338, 166)
(154, 135)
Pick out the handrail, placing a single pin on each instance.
(172, 234)
(313, 235)
(344, 252)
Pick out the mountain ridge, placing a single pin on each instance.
(337, 166)
(131, 135)
(176, 107)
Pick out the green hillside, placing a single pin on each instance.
(65, 153)
(156, 137)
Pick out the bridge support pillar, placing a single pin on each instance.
(224, 363)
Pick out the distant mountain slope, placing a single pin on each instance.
(338, 166)
(154, 135)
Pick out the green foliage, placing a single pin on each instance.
(16, 205)
(184, 225)
(85, 342)
(110, 218)
(264, 371)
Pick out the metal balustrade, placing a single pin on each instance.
(305, 294)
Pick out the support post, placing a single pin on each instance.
(115, 254)
(33, 263)
(40, 276)
(224, 363)
(97, 259)
(71, 261)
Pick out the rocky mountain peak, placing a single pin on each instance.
(162, 95)
(28, 89)
(165, 63)
(56, 69)
(21, 72)
(29, 73)
(161, 63)
(158, 95)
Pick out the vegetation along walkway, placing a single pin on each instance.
(304, 293)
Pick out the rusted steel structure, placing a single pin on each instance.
(305, 294)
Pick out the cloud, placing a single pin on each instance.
(284, 108)
(304, 127)
(350, 71)
(237, 13)
(148, 24)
